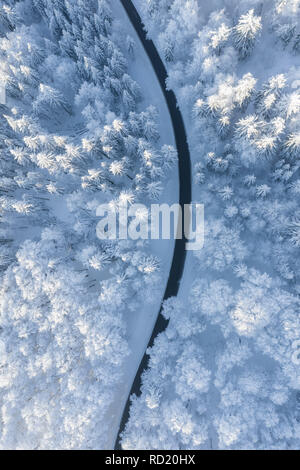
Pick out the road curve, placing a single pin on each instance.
(185, 194)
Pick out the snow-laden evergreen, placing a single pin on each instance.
(225, 374)
(74, 134)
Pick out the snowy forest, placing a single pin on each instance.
(83, 124)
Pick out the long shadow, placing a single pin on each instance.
(184, 168)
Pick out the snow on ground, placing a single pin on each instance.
(140, 323)
(226, 401)
(69, 301)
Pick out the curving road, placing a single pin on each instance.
(184, 168)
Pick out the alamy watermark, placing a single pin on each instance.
(160, 221)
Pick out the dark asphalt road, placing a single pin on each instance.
(184, 167)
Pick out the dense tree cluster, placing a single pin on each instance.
(73, 134)
(238, 86)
